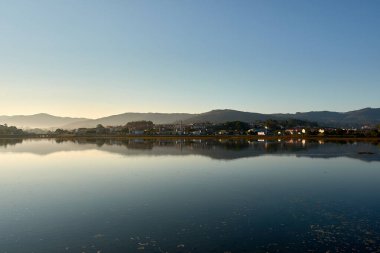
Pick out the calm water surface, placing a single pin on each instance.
(189, 196)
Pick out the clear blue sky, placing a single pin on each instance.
(94, 58)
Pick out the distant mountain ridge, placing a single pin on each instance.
(366, 116)
(220, 116)
(40, 120)
(122, 119)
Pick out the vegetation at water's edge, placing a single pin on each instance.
(268, 128)
(6, 130)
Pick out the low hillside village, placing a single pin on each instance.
(232, 128)
(290, 128)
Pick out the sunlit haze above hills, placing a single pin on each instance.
(98, 58)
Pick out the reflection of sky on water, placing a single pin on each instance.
(89, 200)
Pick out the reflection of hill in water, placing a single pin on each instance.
(215, 149)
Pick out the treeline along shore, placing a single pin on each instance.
(269, 129)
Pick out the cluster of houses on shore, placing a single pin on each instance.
(234, 128)
(210, 129)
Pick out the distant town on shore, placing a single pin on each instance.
(360, 123)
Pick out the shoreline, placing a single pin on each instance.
(200, 137)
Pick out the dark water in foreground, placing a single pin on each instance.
(179, 196)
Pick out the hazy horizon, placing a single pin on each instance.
(95, 58)
(113, 114)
